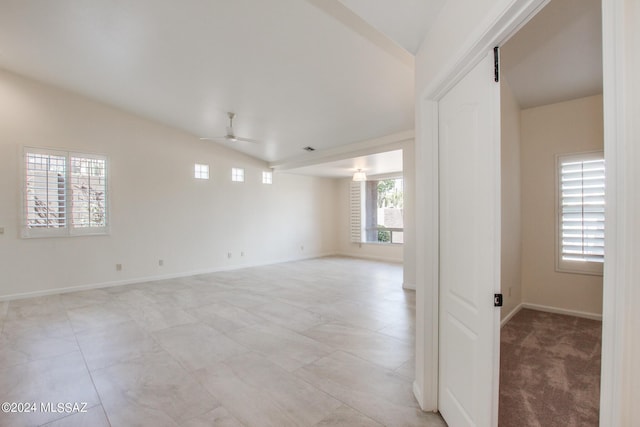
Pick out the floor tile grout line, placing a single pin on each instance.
(86, 365)
(230, 410)
(362, 358)
(250, 290)
(329, 394)
(191, 373)
(3, 320)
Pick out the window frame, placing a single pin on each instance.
(237, 174)
(570, 266)
(68, 230)
(267, 177)
(358, 210)
(201, 171)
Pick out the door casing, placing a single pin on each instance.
(513, 17)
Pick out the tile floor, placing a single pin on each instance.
(324, 342)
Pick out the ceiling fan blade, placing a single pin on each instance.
(230, 136)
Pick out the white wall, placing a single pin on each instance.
(409, 188)
(563, 128)
(511, 238)
(621, 315)
(630, 409)
(157, 210)
(531, 139)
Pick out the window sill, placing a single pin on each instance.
(57, 234)
(379, 244)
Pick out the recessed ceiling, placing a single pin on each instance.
(557, 56)
(294, 75)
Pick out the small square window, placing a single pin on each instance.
(267, 177)
(201, 171)
(237, 174)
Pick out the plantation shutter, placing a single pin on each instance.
(355, 220)
(88, 191)
(64, 193)
(582, 203)
(45, 190)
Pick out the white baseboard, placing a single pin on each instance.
(549, 309)
(557, 310)
(142, 279)
(417, 394)
(371, 257)
(510, 315)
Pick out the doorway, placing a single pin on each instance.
(615, 307)
(551, 109)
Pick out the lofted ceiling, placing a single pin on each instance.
(323, 73)
(296, 73)
(404, 21)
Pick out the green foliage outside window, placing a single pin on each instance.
(390, 193)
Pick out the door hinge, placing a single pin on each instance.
(496, 64)
(497, 300)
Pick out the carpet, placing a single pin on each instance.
(549, 371)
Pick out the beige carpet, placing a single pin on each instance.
(549, 371)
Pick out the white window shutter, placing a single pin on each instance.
(582, 204)
(355, 203)
(88, 191)
(45, 190)
(65, 193)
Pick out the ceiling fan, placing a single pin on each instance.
(230, 136)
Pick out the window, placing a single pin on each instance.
(237, 174)
(64, 193)
(267, 177)
(201, 171)
(580, 212)
(377, 211)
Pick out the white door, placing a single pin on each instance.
(469, 185)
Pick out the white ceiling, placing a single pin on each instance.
(323, 73)
(405, 21)
(294, 74)
(557, 56)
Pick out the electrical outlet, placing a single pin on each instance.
(229, 254)
(242, 253)
(1, 230)
(118, 267)
(509, 290)
(160, 262)
(301, 248)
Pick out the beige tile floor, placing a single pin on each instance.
(324, 342)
